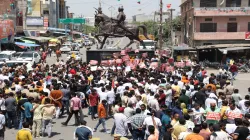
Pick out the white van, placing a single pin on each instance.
(16, 62)
(7, 55)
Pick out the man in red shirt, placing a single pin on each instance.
(234, 70)
(93, 102)
(162, 97)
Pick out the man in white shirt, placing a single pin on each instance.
(242, 106)
(129, 111)
(111, 99)
(120, 89)
(154, 104)
(121, 123)
(139, 101)
(149, 121)
(233, 112)
(210, 99)
(2, 125)
(103, 95)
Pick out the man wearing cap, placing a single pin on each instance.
(121, 123)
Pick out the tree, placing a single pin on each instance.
(153, 27)
(89, 29)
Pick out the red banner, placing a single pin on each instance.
(213, 116)
(233, 115)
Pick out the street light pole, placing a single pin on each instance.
(160, 30)
(171, 30)
(111, 8)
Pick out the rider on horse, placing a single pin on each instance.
(120, 21)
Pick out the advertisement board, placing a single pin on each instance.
(7, 31)
(34, 21)
(34, 7)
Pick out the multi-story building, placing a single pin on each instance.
(218, 23)
(151, 17)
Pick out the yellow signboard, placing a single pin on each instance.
(34, 8)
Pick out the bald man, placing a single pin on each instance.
(212, 114)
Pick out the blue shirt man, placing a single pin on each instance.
(83, 132)
(27, 109)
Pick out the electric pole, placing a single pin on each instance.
(160, 29)
(171, 29)
(111, 9)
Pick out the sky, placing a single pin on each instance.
(131, 7)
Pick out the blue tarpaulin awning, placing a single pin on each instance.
(26, 44)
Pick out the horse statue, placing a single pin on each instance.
(113, 28)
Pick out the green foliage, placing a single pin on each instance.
(86, 29)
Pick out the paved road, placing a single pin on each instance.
(66, 133)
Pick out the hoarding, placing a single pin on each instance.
(7, 31)
(34, 21)
(34, 7)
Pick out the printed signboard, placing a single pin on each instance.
(6, 31)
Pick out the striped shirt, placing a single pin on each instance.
(137, 120)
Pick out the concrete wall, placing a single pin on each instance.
(222, 23)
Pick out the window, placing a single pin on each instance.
(208, 3)
(231, 27)
(232, 19)
(208, 19)
(233, 3)
(208, 27)
(248, 26)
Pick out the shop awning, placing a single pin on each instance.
(60, 33)
(183, 48)
(40, 39)
(234, 49)
(222, 46)
(58, 29)
(28, 41)
(26, 44)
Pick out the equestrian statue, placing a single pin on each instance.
(112, 28)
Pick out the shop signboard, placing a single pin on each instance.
(6, 31)
(34, 21)
(247, 36)
(46, 21)
(72, 20)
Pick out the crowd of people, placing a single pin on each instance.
(145, 103)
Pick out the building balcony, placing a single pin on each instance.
(222, 11)
(219, 35)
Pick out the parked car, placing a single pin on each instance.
(34, 57)
(77, 54)
(66, 48)
(87, 43)
(7, 55)
(11, 63)
(75, 47)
